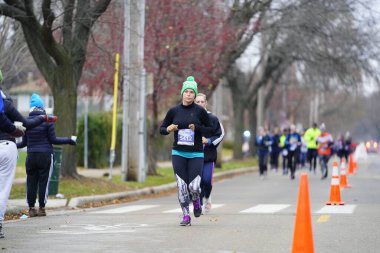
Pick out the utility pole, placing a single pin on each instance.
(218, 110)
(136, 108)
(260, 109)
(311, 116)
(261, 92)
(316, 107)
(85, 158)
(143, 92)
(126, 75)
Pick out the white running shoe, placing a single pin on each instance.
(208, 205)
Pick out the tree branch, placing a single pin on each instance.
(68, 23)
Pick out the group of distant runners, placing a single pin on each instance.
(296, 148)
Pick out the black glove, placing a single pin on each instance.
(72, 142)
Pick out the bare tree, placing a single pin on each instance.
(321, 36)
(57, 36)
(14, 54)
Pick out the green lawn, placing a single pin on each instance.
(21, 158)
(93, 186)
(20, 170)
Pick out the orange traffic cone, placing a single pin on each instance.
(343, 177)
(355, 166)
(303, 234)
(351, 166)
(335, 189)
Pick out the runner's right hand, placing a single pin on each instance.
(172, 128)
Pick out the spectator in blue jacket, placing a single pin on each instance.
(293, 143)
(39, 161)
(263, 142)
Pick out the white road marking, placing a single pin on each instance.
(265, 208)
(179, 210)
(337, 209)
(83, 229)
(125, 209)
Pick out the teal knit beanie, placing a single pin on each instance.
(190, 84)
(36, 101)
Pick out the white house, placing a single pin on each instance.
(21, 95)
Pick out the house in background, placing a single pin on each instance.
(21, 94)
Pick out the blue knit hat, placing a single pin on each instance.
(36, 101)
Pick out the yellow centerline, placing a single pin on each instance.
(323, 218)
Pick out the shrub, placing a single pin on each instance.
(227, 144)
(99, 140)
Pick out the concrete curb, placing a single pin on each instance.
(80, 201)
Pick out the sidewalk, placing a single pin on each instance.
(95, 173)
(17, 205)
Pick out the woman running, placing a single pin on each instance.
(189, 122)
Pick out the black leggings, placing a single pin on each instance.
(188, 173)
(38, 171)
(263, 160)
(312, 155)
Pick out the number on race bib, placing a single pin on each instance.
(185, 137)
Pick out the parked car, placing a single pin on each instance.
(372, 146)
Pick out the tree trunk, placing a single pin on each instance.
(252, 112)
(66, 123)
(238, 107)
(153, 129)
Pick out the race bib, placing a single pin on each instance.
(185, 137)
(293, 144)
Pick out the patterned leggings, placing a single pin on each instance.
(188, 175)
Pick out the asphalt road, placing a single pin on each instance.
(248, 215)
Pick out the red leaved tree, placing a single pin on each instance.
(106, 40)
(182, 38)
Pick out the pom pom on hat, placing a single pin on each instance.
(190, 84)
(36, 101)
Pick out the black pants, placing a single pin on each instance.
(292, 161)
(263, 160)
(39, 167)
(312, 155)
(285, 164)
(274, 159)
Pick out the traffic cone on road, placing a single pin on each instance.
(351, 165)
(303, 234)
(355, 166)
(334, 188)
(343, 177)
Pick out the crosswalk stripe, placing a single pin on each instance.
(265, 208)
(125, 209)
(337, 209)
(258, 209)
(179, 210)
